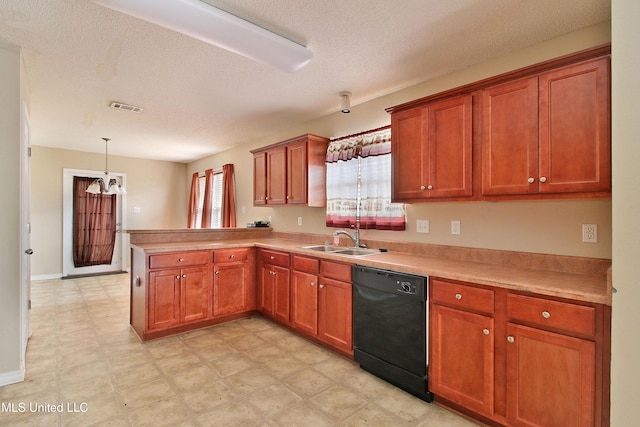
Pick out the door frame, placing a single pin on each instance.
(25, 235)
(119, 261)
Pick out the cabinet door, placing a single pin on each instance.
(409, 154)
(297, 173)
(304, 302)
(510, 138)
(450, 147)
(461, 358)
(281, 290)
(276, 176)
(575, 142)
(259, 178)
(550, 378)
(335, 322)
(195, 294)
(267, 290)
(164, 299)
(230, 289)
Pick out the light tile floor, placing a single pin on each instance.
(85, 360)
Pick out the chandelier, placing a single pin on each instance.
(109, 184)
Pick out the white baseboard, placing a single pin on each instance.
(11, 377)
(46, 276)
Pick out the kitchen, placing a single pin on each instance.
(518, 226)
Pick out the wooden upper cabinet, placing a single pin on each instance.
(450, 147)
(510, 138)
(548, 133)
(297, 173)
(260, 178)
(294, 172)
(409, 154)
(575, 141)
(276, 178)
(432, 150)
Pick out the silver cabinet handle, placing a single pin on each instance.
(272, 257)
(422, 187)
(546, 314)
(485, 331)
(511, 339)
(321, 286)
(232, 256)
(531, 180)
(184, 276)
(543, 179)
(178, 276)
(458, 296)
(29, 251)
(181, 260)
(313, 284)
(429, 187)
(217, 272)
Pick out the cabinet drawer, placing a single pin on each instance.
(552, 314)
(461, 296)
(306, 264)
(336, 270)
(275, 258)
(178, 259)
(230, 255)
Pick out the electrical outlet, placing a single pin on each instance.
(422, 225)
(299, 220)
(244, 209)
(455, 227)
(590, 233)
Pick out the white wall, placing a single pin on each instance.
(10, 256)
(157, 188)
(625, 381)
(552, 227)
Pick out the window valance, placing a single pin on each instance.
(370, 143)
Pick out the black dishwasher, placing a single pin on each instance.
(390, 327)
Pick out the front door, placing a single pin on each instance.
(117, 261)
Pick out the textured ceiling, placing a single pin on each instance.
(199, 99)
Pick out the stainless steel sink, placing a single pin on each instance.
(341, 250)
(357, 252)
(323, 248)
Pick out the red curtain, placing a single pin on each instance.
(228, 196)
(208, 199)
(94, 225)
(193, 201)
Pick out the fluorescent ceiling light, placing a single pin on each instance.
(204, 22)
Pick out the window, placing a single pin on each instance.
(216, 202)
(359, 182)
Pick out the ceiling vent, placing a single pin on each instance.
(125, 107)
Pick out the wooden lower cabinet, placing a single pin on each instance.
(234, 289)
(518, 359)
(550, 378)
(321, 306)
(178, 296)
(304, 302)
(465, 377)
(335, 319)
(274, 285)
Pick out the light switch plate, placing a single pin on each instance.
(422, 225)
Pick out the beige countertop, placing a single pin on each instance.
(581, 287)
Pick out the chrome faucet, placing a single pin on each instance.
(355, 238)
